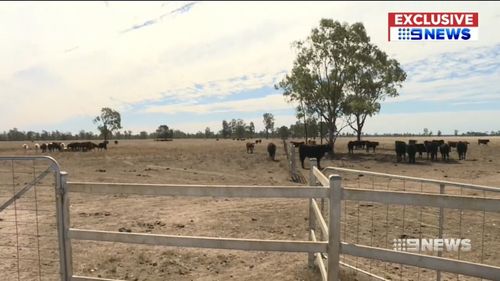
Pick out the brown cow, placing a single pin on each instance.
(271, 149)
(372, 145)
(250, 147)
(483, 141)
(452, 144)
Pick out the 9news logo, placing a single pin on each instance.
(433, 26)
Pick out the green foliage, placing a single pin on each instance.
(268, 123)
(209, 133)
(334, 60)
(108, 121)
(312, 127)
(283, 132)
(226, 129)
(374, 77)
(251, 130)
(163, 132)
(239, 128)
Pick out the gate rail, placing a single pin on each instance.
(329, 240)
(61, 216)
(338, 193)
(195, 241)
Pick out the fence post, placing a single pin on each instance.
(334, 228)
(312, 219)
(65, 258)
(293, 164)
(440, 230)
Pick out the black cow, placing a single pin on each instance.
(432, 148)
(400, 150)
(314, 151)
(271, 149)
(445, 151)
(462, 149)
(411, 149)
(420, 149)
(53, 146)
(103, 145)
(74, 146)
(43, 147)
(87, 146)
(371, 144)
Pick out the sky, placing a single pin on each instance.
(191, 65)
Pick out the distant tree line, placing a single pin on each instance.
(240, 130)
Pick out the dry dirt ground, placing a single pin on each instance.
(224, 162)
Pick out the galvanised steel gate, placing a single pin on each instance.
(31, 219)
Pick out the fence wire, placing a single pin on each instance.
(380, 225)
(28, 225)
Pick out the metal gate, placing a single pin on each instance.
(31, 247)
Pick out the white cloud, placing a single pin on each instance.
(447, 122)
(267, 103)
(210, 45)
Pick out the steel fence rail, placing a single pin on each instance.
(415, 179)
(340, 195)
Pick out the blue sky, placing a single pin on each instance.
(192, 64)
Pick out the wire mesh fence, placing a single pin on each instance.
(390, 226)
(29, 248)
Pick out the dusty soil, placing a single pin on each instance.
(226, 162)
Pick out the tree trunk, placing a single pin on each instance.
(331, 133)
(358, 125)
(320, 128)
(305, 127)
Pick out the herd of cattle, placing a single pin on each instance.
(271, 148)
(362, 145)
(309, 150)
(74, 146)
(431, 148)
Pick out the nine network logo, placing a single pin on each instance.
(432, 245)
(433, 26)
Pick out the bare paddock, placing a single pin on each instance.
(226, 162)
